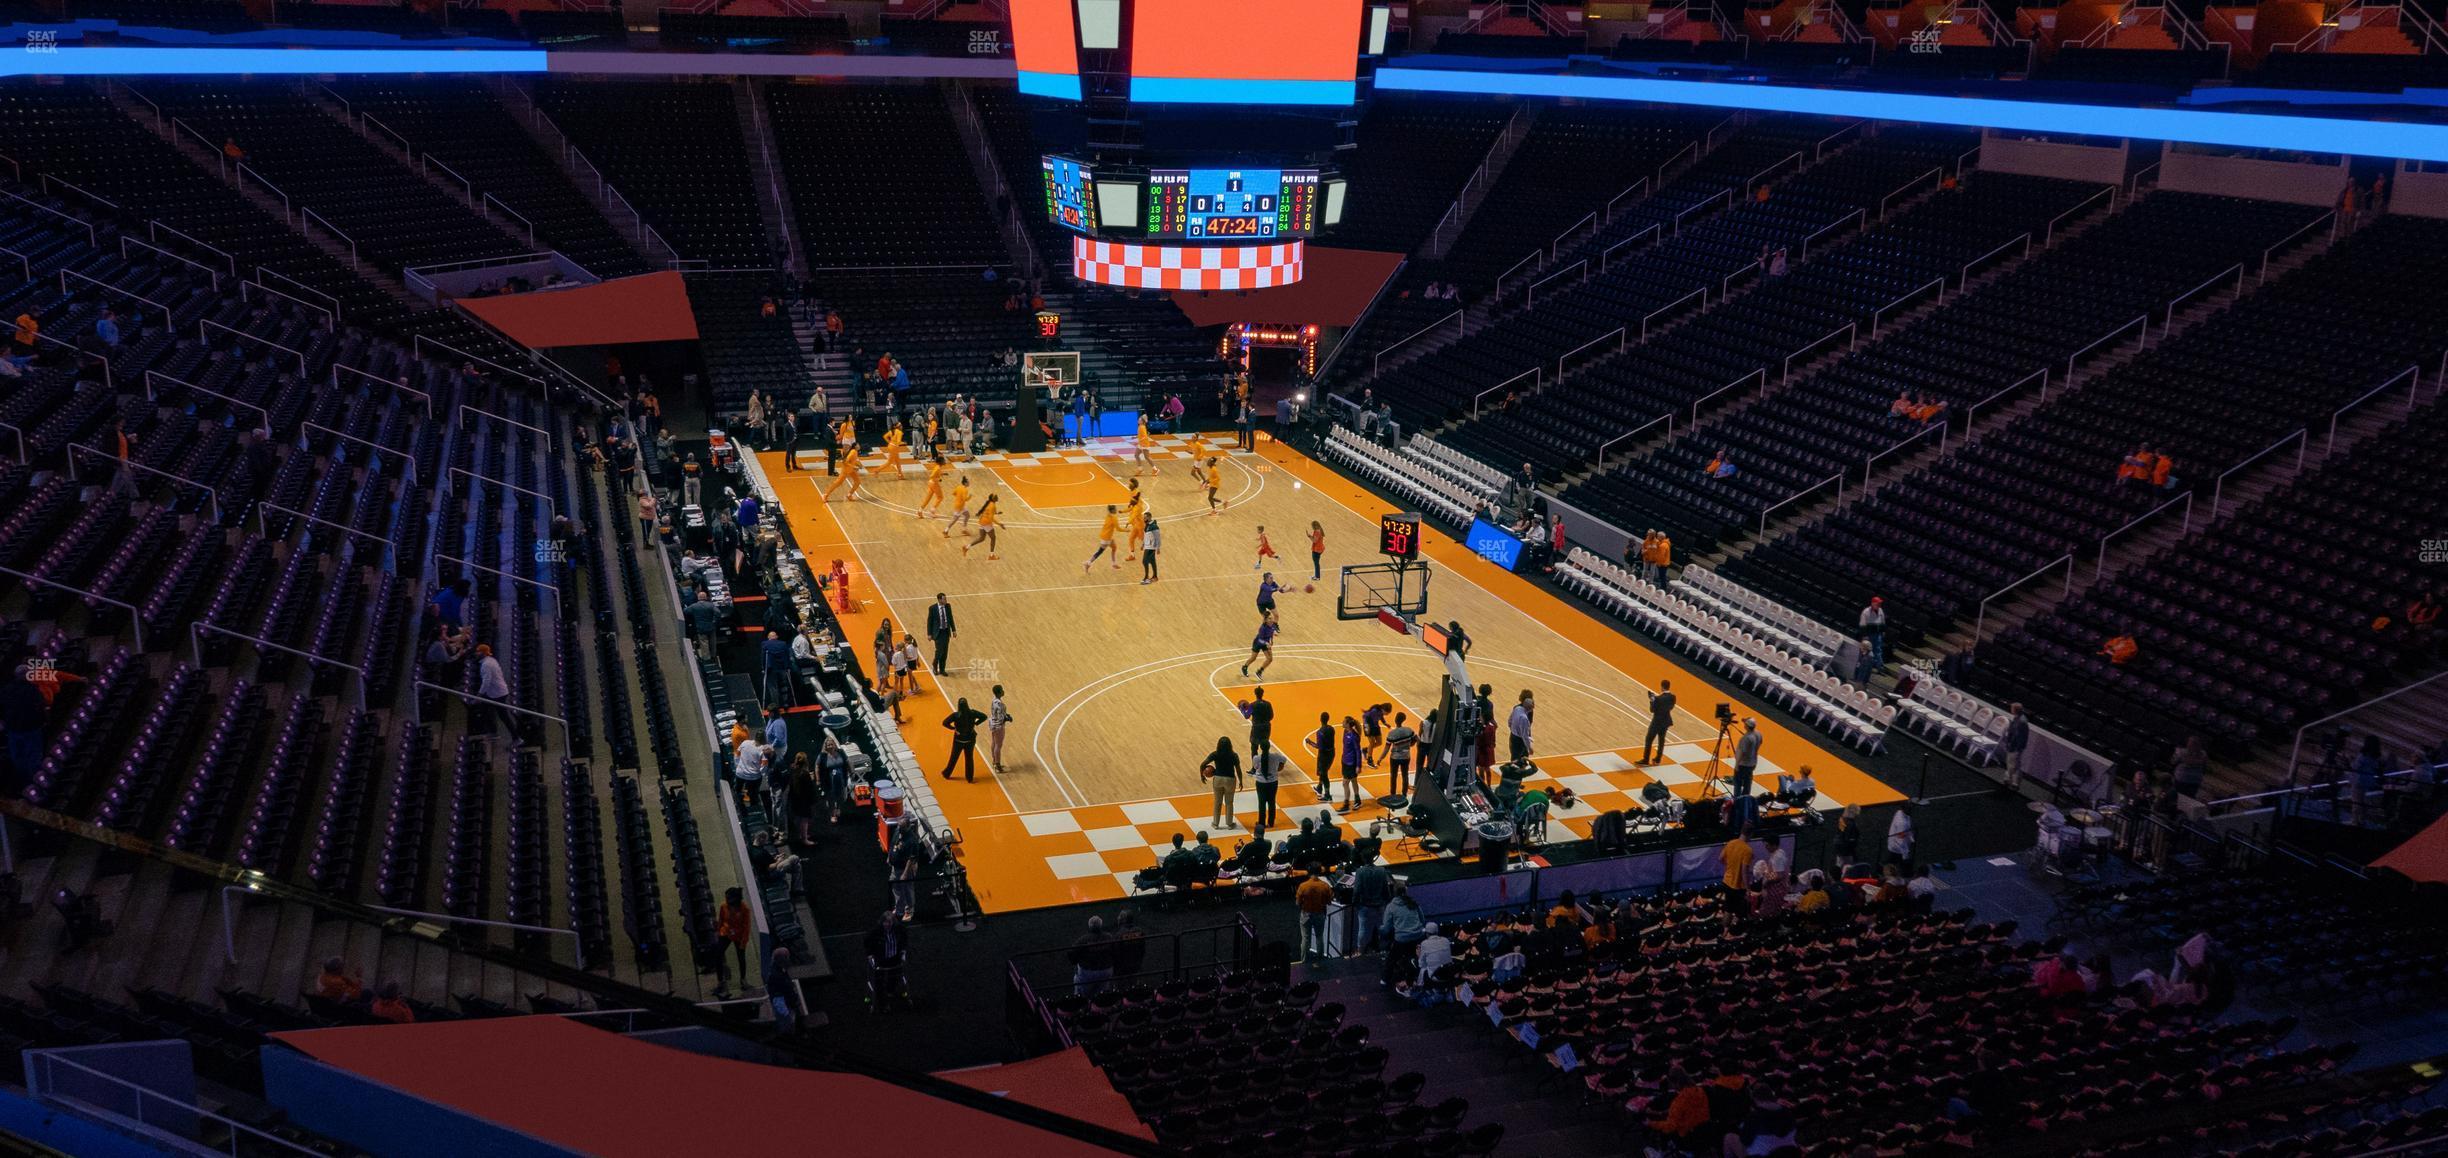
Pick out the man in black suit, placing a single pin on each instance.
(1661, 720)
(939, 628)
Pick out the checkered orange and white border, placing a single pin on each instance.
(1181, 267)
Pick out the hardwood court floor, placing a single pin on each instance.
(1119, 689)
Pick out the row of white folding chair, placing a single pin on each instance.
(1767, 609)
(1826, 701)
(1756, 621)
(1956, 719)
(1443, 468)
(1423, 478)
(1461, 461)
(1374, 462)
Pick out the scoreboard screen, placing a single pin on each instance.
(1070, 194)
(1398, 535)
(1232, 204)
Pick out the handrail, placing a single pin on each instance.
(411, 474)
(550, 507)
(336, 368)
(135, 613)
(1753, 181)
(513, 576)
(2049, 233)
(196, 630)
(1878, 315)
(1819, 149)
(345, 106)
(2133, 184)
(1538, 375)
(2169, 320)
(330, 320)
(1725, 288)
(1640, 187)
(302, 287)
(1703, 203)
(65, 273)
(1691, 147)
(1832, 226)
(45, 1089)
(2413, 390)
(288, 214)
(1606, 258)
(465, 407)
(1837, 478)
(1852, 333)
(2143, 322)
(1555, 247)
(1667, 418)
(126, 240)
(154, 229)
(201, 336)
(2100, 565)
(1906, 187)
(24, 263)
(233, 400)
(407, 147)
(1581, 265)
(334, 230)
(159, 121)
(418, 342)
(19, 431)
(1963, 277)
(2218, 488)
(93, 238)
(1871, 461)
(1531, 258)
(467, 188)
(1980, 620)
(48, 181)
(1701, 293)
(1379, 357)
(498, 203)
(177, 126)
(1761, 374)
(16, 171)
(1971, 412)
(2296, 756)
(2329, 216)
(1617, 333)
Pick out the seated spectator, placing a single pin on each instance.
(337, 983)
(391, 1005)
(2120, 649)
(2162, 471)
(1903, 405)
(2136, 467)
(1250, 860)
(1207, 855)
(1797, 789)
(1720, 466)
(1814, 896)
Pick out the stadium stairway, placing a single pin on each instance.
(521, 105)
(756, 131)
(515, 237)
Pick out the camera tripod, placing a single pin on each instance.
(1711, 780)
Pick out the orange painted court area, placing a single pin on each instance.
(1054, 485)
(1085, 852)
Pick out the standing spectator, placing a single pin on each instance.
(704, 623)
(732, 927)
(1352, 752)
(1266, 765)
(1874, 628)
(1661, 722)
(777, 740)
(1399, 743)
(833, 768)
(748, 763)
(646, 515)
(1261, 713)
(1130, 945)
(1517, 728)
(1313, 897)
(2192, 764)
(494, 689)
(1092, 959)
(1404, 929)
(799, 797)
(1222, 772)
(1322, 741)
(1900, 838)
(940, 629)
(1245, 427)
(963, 722)
(1746, 757)
(2012, 744)
(998, 718)
(1844, 847)
(883, 650)
(778, 670)
(782, 992)
(1149, 542)
(1372, 889)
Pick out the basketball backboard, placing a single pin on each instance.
(1367, 588)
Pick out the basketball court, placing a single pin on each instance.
(1119, 689)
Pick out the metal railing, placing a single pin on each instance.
(2411, 375)
(154, 229)
(1972, 412)
(175, 1118)
(496, 203)
(419, 342)
(1555, 248)
(1704, 203)
(2295, 756)
(1603, 447)
(2133, 184)
(1697, 403)
(422, 396)
(334, 230)
(206, 338)
(229, 922)
(1725, 287)
(2100, 565)
(2049, 233)
(1852, 336)
(1377, 360)
(1907, 187)
(1617, 333)
(2303, 441)
(1871, 460)
(467, 188)
(135, 615)
(465, 408)
(125, 241)
(2328, 218)
(1878, 317)
(168, 322)
(178, 126)
(288, 213)
(550, 507)
(2142, 323)
(1531, 258)
(1672, 307)
(198, 629)
(48, 181)
(1795, 159)
(1637, 189)
(407, 147)
(416, 709)
(2168, 319)
(1606, 257)
(93, 237)
(24, 263)
(263, 524)
(410, 474)
(1538, 378)
(301, 287)
(1857, 215)
(1581, 267)
(150, 394)
(1981, 620)
(1837, 478)
(330, 319)
(1963, 277)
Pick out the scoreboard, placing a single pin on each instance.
(1398, 535)
(1232, 204)
(1070, 194)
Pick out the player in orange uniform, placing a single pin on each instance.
(988, 520)
(1140, 447)
(1105, 541)
(851, 472)
(1266, 550)
(934, 492)
(960, 507)
(1135, 518)
(893, 444)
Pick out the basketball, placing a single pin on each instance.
(1308, 588)
(1243, 705)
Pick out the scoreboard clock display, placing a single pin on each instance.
(1398, 535)
(1070, 194)
(1236, 204)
